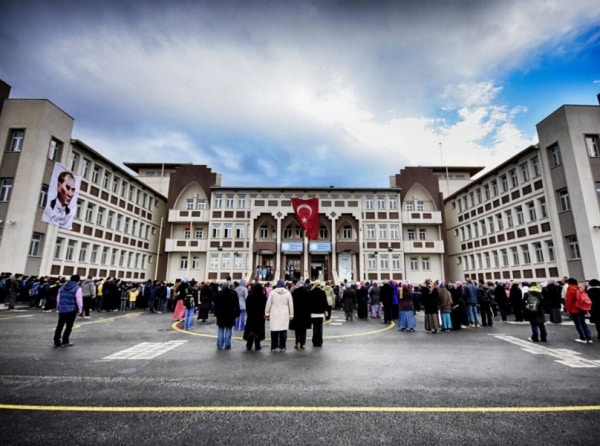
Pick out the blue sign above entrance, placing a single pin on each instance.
(291, 247)
(319, 247)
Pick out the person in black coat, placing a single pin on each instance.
(254, 332)
(386, 296)
(553, 301)
(516, 301)
(594, 293)
(301, 321)
(536, 317)
(318, 312)
(502, 300)
(227, 309)
(362, 301)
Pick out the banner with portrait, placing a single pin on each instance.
(63, 192)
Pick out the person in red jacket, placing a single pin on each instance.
(577, 315)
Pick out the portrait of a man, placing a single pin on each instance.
(63, 192)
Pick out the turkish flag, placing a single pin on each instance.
(307, 214)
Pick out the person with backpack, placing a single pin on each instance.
(577, 314)
(534, 313)
(190, 301)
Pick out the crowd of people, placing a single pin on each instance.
(298, 305)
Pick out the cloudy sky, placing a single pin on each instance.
(305, 93)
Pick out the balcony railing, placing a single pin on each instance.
(186, 245)
(423, 246)
(187, 216)
(423, 218)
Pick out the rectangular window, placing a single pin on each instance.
(5, 188)
(543, 208)
(496, 259)
(410, 206)
(189, 204)
(426, 264)
(525, 254)
(183, 262)
(411, 234)
(531, 210)
(94, 256)
(74, 161)
(494, 188)
(420, 206)
(239, 231)
(539, 252)
(554, 155)
(110, 220)
(195, 262)
(491, 224)
(115, 184)
(96, 174)
(119, 222)
(520, 217)
(218, 201)
(214, 260)
(372, 262)
(347, 232)
(504, 253)
(525, 171)
(89, 213)
(509, 219)
(422, 234)
(58, 248)
(216, 233)
(71, 245)
(228, 230)
(241, 202)
(131, 193)
(370, 232)
(384, 263)
(395, 262)
(36, 243)
(383, 232)
(55, 149)
(100, 216)
(515, 255)
(369, 202)
(486, 192)
(514, 181)
(238, 261)
(323, 233)
(593, 145)
(43, 196)
(127, 224)
(106, 179)
(380, 202)
(393, 202)
(201, 204)
(15, 143)
(83, 251)
(563, 198)
(504, 182)
(104, 258)
(263, 232)
(85, 168)
(229, 201)
(414, 264)
(537, 170)
(500, 222)
(394, 232)
(573, 247)
(124, 189)
(226, 261)
(550, 249)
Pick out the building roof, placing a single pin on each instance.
(136, 167)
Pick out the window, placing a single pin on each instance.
(214, 260)
(486, 192)
(491, 224)
(104, 258)
(410, 206)
(229, 201)
(520, 217)
(504, 182)
(370, 232)
(124, 188)
(384, 262)
(83, 251)
(478, 196)
(115, 184)
(369, 202)
(119, 222)
(195, 262)
(372, 262)
(263, 232)
(550, 248)
(539, 252)
(414, 264)
(239, 231)
(201, 204)
(323, 232)
(241, 201)
(347, 232)
(394, 232)
(71, 245)
(15, 143)
(106, 179)
(420, 206)
(593, 145)
(531, 210)
(96, 174)
(525, 172)
(110, 220)
(183, 262)
(509, 219)
(425, 263)
(411, 234)
(563, 198)
(393, 203)
(43, 196)
(122, 258)
(58, 248)
(189, 203)
(383, 232)
(504, 253)
(494, 188)
(543, 208)
(89, 212)
(74, 161)
(525, 254)
(94, 256)
(496, 259)
(514, 181)
(483, 227)
(228, 230)
(131, 192)
(100, 216)
(537, 170)
(500, 222)
(78, 210)
(218, 201)
(422, 234)
(226, 260)
(380, 202)
(573, 247)
(554, 155)
(395, 262)
(85, 168)
(5, 188)
(55, 149)
(36, 242)
(515, 255)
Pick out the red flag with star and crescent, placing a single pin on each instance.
(307, 214)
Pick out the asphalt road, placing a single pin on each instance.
(136, 379)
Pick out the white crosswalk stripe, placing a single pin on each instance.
(145, 350)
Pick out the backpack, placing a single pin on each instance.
(189, 301)
(582, 300)
(533, 302)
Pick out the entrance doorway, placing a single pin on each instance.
(318, 268)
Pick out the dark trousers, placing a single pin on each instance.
(253, 339)
(65, 320)
(278, 339)
(317, 328)
(486, 315)
(538, 332)
(300, 336)
(87, 305)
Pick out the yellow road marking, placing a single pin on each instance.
(299, 409)
(391, 325)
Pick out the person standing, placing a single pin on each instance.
(362, 301)
(386, 296)
(577, 315)
(242, 292)
(318, 312)
(330, 294)
(206, 299)
(406, 310)
(14, 290)
(553, 301)
(501, 300)
(594, 293)
(180, 293)
(227, 308)
(486, 300)
(431, 305)
(470, 295)
(445, 307)
(534, 313)
(69, 303)
(301, 322)
(189, 302)
(254, 331)
(279, 311)
(349, 302)
(516, 301)
(374, 298)
(88, 289)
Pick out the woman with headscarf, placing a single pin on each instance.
(431, 304)
(254, 331)
(406, 310)
(279, 312)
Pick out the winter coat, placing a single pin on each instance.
(279, 309)
(406, 302)
(594, 293)
(317, 301)
(445, 300)
(227, 307)
(349, 300)
(470, 294)
(301, 310)
(570, 300)
(242, 292)
(538, 316)
(255, 311)
(430, 300)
